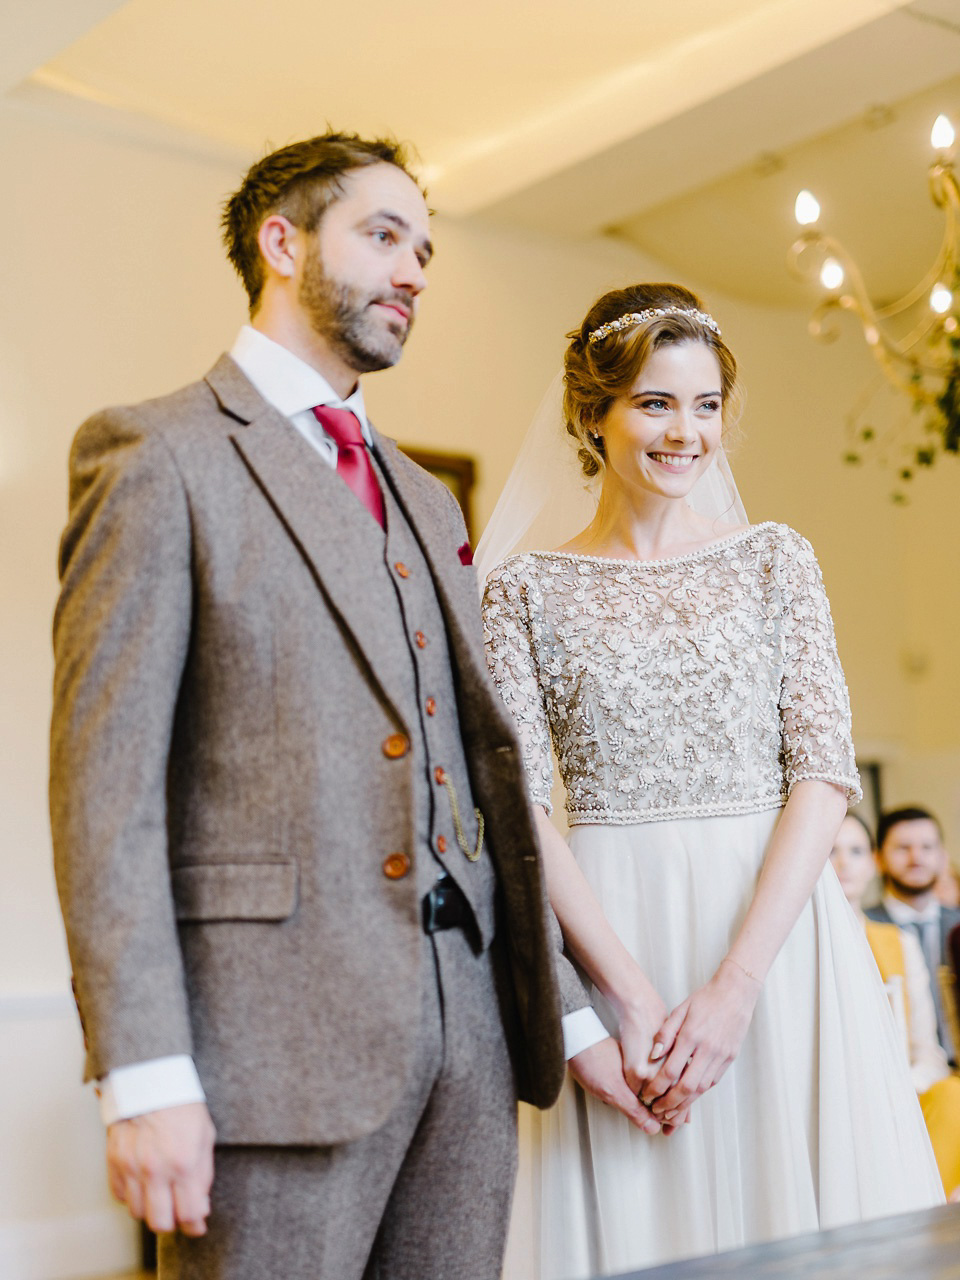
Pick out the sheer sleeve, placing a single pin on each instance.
(814, 704)
(512, 659)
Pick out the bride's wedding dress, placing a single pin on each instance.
(685, 697)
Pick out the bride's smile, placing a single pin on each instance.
(676, 461)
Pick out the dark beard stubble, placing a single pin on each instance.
(341, 315)
(911, 890)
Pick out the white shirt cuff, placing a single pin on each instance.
(131, 1091)
(581, 1030)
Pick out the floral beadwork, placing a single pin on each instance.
(703, 685)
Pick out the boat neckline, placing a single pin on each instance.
(730, 539)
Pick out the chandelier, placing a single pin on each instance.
(916, 338)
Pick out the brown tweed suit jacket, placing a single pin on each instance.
(222, 804)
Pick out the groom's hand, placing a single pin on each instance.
(160, 1165)
(599, 1070)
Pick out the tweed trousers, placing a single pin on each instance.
(425, 1197)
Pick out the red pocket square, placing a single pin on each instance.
(465, 554)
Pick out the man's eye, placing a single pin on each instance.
(384, 236)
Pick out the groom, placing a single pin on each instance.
(296, 862)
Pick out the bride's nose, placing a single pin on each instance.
(682, 426)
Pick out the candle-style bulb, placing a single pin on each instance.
(942, 135)
(831, 274)
(806, 210)
(941, 299)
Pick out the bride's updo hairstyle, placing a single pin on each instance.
(597, 373)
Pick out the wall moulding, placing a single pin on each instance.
(29, 1006)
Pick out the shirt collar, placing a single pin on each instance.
(288, 383)
(902, 913)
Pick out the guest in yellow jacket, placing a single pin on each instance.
(904, 971)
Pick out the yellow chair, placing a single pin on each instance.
(940, 1103)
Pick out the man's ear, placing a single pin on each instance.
(280, 243)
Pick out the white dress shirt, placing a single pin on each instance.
(293, 388)
(928, 921)
(923, 926)
(903, 914)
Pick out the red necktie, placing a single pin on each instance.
(353, 460)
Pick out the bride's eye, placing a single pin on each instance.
(712, 406)
(656, 405)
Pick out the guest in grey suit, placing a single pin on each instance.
(911, 858)
(296, 861)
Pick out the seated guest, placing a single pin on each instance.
(898, 956)
(911, 858)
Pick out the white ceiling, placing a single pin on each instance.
(630, 117)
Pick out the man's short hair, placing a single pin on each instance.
(910, 813)
(299, 181)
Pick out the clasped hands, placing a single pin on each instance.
(664, 1062)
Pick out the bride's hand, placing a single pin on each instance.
(640, 1020)
(700, 1039)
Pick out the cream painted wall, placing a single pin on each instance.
(115, 289)
(109, 257)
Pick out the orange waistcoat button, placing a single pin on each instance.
(396, 866)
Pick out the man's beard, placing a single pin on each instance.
(341, 315)
(911, 890)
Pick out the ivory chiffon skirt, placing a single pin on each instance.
(814, 1125)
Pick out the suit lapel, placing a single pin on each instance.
(332, 530)
(455, 587)
(433, 536)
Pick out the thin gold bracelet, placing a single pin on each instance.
(731, 960)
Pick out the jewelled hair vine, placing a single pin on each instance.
(638, 317)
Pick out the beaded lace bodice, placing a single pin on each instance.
(702, 685)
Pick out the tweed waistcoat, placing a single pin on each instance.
(412, 617)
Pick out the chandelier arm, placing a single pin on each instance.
(915, 336)
(940, 268)
(889, 351)
(892, 371)
(856, 299)
(924, 364)
(944, 264)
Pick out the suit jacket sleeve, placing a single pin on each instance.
(121, 634)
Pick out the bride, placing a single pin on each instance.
(686, 672)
